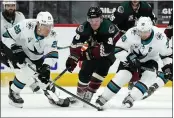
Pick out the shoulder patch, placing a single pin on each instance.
(120, 9)
(80, 28)
(30, 25)
(134, 32)
(52, 33)
(111, 29)
(159, 36)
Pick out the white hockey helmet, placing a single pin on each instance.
(8, 2)
(45, 18)
(144, 24)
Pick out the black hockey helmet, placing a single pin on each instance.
(94, 12)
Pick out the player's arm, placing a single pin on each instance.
(169, 30)
(78, 41)
(50, 51)
(166, 56)
(118, 17)
(12, 35)
(122, 46)
(151, 14)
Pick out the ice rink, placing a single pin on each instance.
(37, 105)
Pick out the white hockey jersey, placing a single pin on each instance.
(148, 49)
(35, 47)
(5, 24)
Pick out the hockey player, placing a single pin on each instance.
(138, 49)
(125, 17)
(10, 17)
(92, 44)
(168, 66)
(30, 40)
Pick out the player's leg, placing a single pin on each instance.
(19, 82)
(140, 88)
(84, 76)
(101, 71)
(123, 76)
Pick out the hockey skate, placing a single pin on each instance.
(14, 98)
(128, 101)
(100, 102)
(54, 99)
(87, 97)
(75, 101)
(35, 88)
(151, 90)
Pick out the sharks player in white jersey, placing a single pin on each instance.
(138, 50)
(35, 40)
(10, 17)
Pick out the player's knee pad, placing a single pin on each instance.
(122, 77)
(148, 78)
(25, 75)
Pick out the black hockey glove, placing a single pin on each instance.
(71, 62)
(18, 54)
(44, 73)
(133, 62)
(168, 71)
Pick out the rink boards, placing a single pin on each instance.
(65, 36)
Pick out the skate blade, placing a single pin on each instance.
(126, 105)
(38, 92)
(15, 104)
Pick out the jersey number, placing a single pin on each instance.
(17, 29)
(54, 45)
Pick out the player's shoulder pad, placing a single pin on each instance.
(20, 14)
(83, 28)
(107, 27)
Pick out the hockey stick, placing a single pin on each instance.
(49, 86)
(99, 109)
(59, 48)
(77, 97)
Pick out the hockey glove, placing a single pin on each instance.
(92, 53)
(18, 54)
(71, 62)
(44, 73)
(168, 70)
(134, 63)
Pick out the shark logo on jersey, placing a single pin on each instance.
(35, 51)
(29, 39)
(30, 25)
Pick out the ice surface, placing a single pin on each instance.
(37, 105)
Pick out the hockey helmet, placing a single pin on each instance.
(5, 2)
(45, 18)
(94, 12)
(144, 24)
